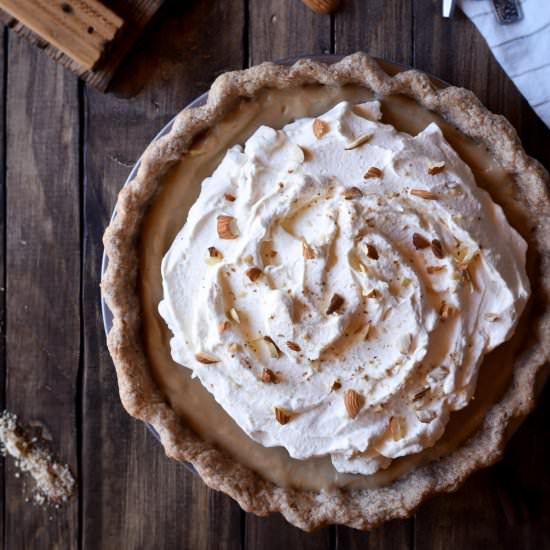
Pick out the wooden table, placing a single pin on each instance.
(64, 152)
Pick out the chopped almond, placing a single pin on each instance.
(253, 273)
(227, 228)
(320, 128)
(419, 241)
(372, 252)
(281, 415)
(336, 302)
(373, 172)
(437, 249)
(229, 197)
(268, 376)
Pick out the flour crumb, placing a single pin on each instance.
(53, 481)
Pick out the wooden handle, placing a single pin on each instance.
(79, 28)
(322, 6)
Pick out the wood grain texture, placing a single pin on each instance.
(136, 15)
(380, 28)
(43, 278)
(278, 29)
(2, 266)
(132, 493)
(82, 30)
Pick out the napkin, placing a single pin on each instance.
(521, 48)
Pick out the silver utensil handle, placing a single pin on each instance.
(448, 8)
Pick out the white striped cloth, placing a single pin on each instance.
(521, 48)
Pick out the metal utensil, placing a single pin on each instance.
(448, 8)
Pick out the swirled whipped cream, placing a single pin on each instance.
(337, 285)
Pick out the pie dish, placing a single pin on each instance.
(151, 209)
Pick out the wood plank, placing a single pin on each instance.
(274, 533)
(285, 28)
(136, 15)
(372, 26)
(2, 267)
(481, 514)
(133, 496)
(279, 29)
(43, 278)
(81, 31)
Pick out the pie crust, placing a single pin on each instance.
(364, 508)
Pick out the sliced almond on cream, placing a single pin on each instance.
(206, 358)
(436, 168)
(272, 348)
(373, 172)
(423, 194)
(353, 401)
(297, 154)
(352, 193)
(234, 314)
(397, 427)
(361, 140)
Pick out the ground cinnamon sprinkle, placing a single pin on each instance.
(54, 482)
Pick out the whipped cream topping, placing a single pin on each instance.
(337, 284)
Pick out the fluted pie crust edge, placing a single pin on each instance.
(142, 398)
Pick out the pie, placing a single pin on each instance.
(329, 289)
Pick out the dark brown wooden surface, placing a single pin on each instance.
(65, 150)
